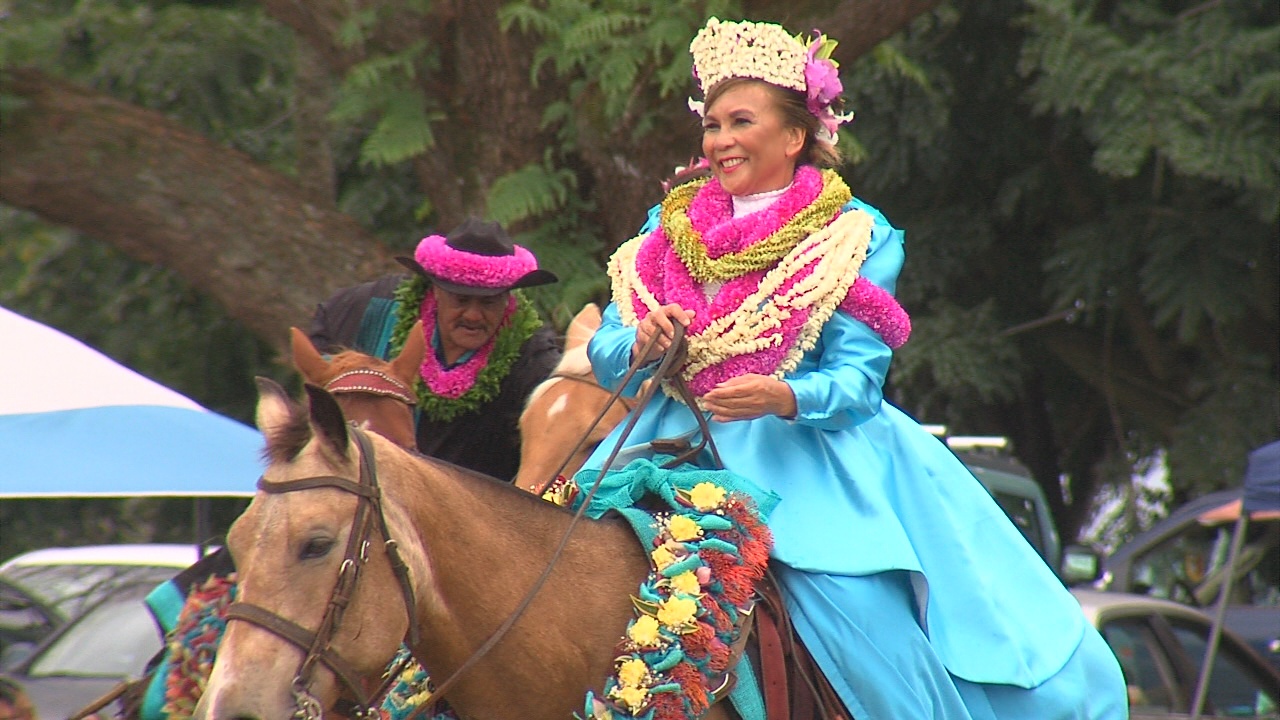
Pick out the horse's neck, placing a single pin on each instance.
(485, 545)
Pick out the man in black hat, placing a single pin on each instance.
(487, 347)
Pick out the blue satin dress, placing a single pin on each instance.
(916, 594)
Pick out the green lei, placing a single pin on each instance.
(524, 322)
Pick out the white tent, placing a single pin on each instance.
(75, 423)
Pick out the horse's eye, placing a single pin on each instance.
(315, 548)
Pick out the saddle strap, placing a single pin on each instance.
(794, 687)
(773, 667)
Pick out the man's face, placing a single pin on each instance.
(466, 322)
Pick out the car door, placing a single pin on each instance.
(1161, 655)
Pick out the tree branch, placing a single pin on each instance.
(164, 194)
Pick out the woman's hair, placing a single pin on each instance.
(795, 113)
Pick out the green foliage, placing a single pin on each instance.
(565, 244)
(958, 353)
(1193, 87)
(625, 52)
(1235, 413)
(382, 87)
(526, 193)
(222, 70)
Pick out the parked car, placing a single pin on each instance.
(42, 590)
(1182, 558)
(108, 643)
(1161, 646)
(24, 619)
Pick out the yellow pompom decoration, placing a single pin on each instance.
(662, 557)
(644, 631)
(677, 613)
(633, 697)
(633, 672)
(707, 496)
(683, 529)
(687, 583)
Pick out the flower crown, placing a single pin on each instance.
(766, 51)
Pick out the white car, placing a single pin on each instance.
(63, 582)
(95, 630)
(1161, 646)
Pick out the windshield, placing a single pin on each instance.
(116, 637)
(1190, 567)
(69, 589)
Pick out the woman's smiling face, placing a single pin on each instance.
(745, 138)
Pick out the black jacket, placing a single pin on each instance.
(488, 440)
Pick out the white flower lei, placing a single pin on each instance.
(839, 249)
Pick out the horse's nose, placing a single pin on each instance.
(223, 710)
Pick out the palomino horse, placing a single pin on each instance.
(557, 419)
(473, 547)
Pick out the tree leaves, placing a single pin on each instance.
(1194, 90)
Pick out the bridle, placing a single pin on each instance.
(626, 402)
(369, 508)
(371, 382)
(369, 514)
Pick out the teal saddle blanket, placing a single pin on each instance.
(708, 544)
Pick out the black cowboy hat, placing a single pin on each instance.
(485, 239)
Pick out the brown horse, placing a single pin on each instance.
(473, 546)
(378, 394)
(559, 412)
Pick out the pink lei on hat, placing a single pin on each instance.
(464, 268)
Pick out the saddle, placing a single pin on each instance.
(793, 686)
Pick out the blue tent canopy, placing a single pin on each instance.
(74, 423)
(1262, 479)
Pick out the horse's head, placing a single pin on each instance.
(375, 393)
(311, 560)
(559, 412)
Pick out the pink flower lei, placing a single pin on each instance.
(464, 268)
(711, 214)
(453, 382)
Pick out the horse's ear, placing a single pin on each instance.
(275, 409)
(306, 358)
(583, 326)
(326, 417)
(405, 365)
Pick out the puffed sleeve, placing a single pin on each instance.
(609, 350)
(845, 386)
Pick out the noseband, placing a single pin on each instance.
(316, 644)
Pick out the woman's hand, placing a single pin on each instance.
(748, 397)
(659, 322)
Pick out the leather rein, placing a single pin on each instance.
(368, 516)
(369, 509)
(668, 368)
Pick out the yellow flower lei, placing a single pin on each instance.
(687, 242)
